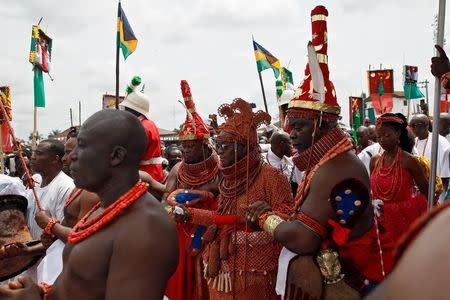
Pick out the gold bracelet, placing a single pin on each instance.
(272, 223)
(444, 80)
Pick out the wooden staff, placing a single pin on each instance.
(28, 177)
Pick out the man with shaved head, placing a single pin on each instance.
(362, 136)
(126, 246)
(279, 157)
(423, 142)
(373, 133)
(444, 125)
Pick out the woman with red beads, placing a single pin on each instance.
(394, 175)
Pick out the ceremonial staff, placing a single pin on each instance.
(436, 111)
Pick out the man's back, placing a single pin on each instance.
(137, 249)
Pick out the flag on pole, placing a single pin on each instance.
(40, 57)
(410, 87)
(265, 60)
(125, 35)
(285, 77)
(5, 95)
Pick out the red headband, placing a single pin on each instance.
(389, 119)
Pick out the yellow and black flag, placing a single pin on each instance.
(265, 60)
(125, 35)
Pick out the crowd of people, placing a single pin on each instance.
(300, 212)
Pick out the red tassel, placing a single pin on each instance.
(340, 234)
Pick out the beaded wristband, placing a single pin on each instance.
(46, 289)
(444, 80)
(48, 228)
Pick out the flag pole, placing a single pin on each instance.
(263, 93)
(262, 85)
(117, 59)
(436, 111)
(34, 137)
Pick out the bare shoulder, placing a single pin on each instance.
(148, 215)
(373, 161)
(88, 197)
(409, 159)
(432, 242)
(341, 167)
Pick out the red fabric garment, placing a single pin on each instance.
(363, 253)
(6, 137)
(404, 207)
(182, 284)
(386, 100)
(153, 150)
(186, 282)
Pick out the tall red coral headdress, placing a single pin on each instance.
(241, 122)
(193, 128)
(316, 96)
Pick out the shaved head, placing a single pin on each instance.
(363, 129)
(444, 124)
(280, 144)
(372, 133)
(279, 136)
(420, 125)
(119, 128)
(110, 144)
(362, 135)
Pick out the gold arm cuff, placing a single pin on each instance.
(271, 223)
(318, 18)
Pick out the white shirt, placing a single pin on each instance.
(367, 153)
(285, 165)
(52, 197)
(424, 149)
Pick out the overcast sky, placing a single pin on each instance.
(206, 42)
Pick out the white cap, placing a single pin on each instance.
(136, 100)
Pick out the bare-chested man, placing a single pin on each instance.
(332, 220)
(127, 247)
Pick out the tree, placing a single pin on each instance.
(53, 133)
(38, 137)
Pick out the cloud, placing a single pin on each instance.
(206, 42)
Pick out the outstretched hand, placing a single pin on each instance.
(22, 289)
(13, 250)
(255, 210)
(440, 64)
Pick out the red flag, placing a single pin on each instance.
(445, 105)
(6, 138)
(386, 101)
(385, 76)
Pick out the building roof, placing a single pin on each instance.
(164, 132)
